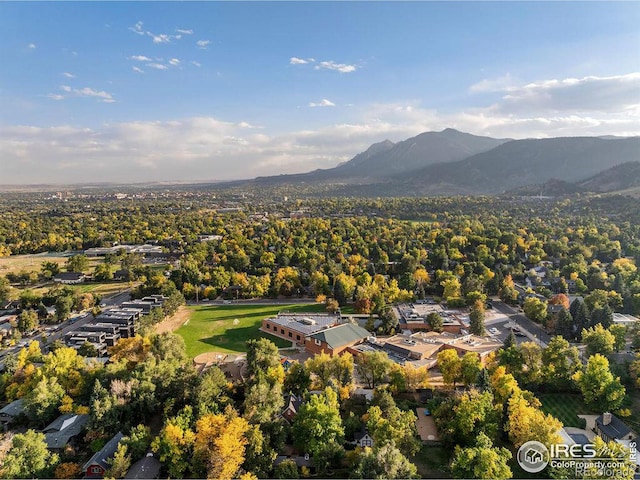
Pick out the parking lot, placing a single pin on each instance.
(499, 325)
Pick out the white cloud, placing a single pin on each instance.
(90, 92)
(323, 103)
(69, 75)
(160, 38)
(157, 63)
(137, 69)
(197, 64)
(603, 94)
(203, 44)
(202, 148)
(140, 58)
(31, 46)
(82, 92)
(137, 28)
(338, 67)
(297, 61)
(157, 66)
(493, 84)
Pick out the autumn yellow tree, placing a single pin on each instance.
(526, 422)
(415, 377)
(134, 350)
(68, 470)
(503, 385)
(220, 444)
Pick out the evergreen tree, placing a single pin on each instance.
(602, 315)
(581, 318)
(510, 341)
(476, 318)
(564, 324)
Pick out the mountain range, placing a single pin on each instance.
(452, 162)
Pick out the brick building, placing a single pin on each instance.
(295, 327)
(335, 340)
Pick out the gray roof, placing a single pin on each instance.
(341, 335)
(63, 429)
(13, 409)
(579, 438)
(106, 453)
(304, 323)
(69, 275)
(615, 429)
(293, 402)
(146, 467)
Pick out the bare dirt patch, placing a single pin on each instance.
(175, 321)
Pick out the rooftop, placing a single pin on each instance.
(146, 467)
(61, 430)
(624, 318)
(305, 323)
(13, 409)
(341, 335)
(616, 428)
(102, 456)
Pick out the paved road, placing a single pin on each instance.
(522, 321)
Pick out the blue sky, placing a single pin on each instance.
(161, 91)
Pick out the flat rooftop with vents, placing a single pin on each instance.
(296, 326)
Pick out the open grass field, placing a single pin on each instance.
(565, 407)
(107, 288)
(29, 263)
(211, 327)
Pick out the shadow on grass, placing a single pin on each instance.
(235, 339)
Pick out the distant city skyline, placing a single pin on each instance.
(195, 91)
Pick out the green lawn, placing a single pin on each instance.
(565, 407)
(212, 329)
(432, 461)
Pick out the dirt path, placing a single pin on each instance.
(174, 322)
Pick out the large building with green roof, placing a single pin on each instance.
(335, 340)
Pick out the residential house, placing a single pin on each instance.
(6, 329)
(335, 340)
(292, 405)
(625, 319)
(145, 304)
(59, 433)
(97, 465)
(609, 427)
(147, 467)
(69, 278)
(553, 310)
(363, 439)
(9, 413)
(122, 274)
